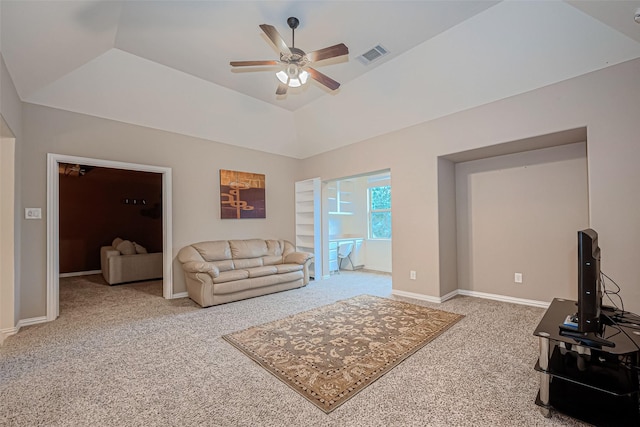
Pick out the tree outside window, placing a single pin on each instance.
(380, 212)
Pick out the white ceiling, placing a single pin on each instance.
(165, 64)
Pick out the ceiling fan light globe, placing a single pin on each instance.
(282, 76)
(294, 83)
(303, 77)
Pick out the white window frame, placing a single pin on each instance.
(371, 211)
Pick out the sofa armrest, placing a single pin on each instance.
(106, 253)
(110, 251)
(201, 267)
(297, 257)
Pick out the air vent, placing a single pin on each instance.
(372, 55)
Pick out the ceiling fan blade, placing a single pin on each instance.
(282, 89)
(275, 37)
(325, 80)
(251, 63)
(328, 52)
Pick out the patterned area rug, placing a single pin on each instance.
(331, 353)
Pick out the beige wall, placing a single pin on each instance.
(521, 213)
(10, 104)
(195, 167)
(10, 135)
(605, 102)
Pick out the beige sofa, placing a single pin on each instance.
(126, 261)
(218, 272)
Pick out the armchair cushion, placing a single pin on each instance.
(126, 248)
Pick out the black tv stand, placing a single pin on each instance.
(590, 339)
(583, 377)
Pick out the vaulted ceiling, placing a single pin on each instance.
(165, 64)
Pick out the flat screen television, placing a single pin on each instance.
(589, 282)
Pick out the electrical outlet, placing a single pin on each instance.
(412, 275)
(517, 278)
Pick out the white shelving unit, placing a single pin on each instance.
(308, 222)
(339, 196)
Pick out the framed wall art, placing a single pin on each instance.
(242, 195)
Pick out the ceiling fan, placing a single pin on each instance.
(295, 63)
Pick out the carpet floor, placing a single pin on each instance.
(124, 356)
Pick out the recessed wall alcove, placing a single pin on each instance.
(509, 208)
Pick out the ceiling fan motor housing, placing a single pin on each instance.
(293, 22)
(295, 63)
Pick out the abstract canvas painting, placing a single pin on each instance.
(242, 195)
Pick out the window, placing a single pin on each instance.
(380, 212)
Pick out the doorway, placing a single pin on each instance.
(351, 220)
(53, 221)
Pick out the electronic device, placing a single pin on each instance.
(589, 282)
(587, 326)
(571, 321)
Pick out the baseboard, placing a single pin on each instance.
(503, 298)
(180, 295)
(32, 321)
(464, 292)
(7, 332)
(420, 297)
(80, 273)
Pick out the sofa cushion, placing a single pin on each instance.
(126, 248)
(139, 248)
(231, 275)
(257, 282)
(116, 242)
(286, 268)
(271, 260)
(262, 271)
(225, 265)
(252, 248)
(275, 247)
(213, 251)
(247, 263)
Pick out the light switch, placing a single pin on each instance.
(32, 213)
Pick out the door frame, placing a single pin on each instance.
(8, 284)
(53, 223)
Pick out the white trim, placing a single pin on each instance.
(420, 297)
(53, 238)
(448, 296)
(180, 295)
(53, 211)
(31, 321)
(474, 294)
(7, 332)
(504, 298)
(80, 273)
